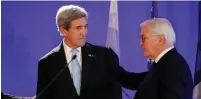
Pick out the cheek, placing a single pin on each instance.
(72, 38)
(152, 49)
(148, 47)
(75, 36)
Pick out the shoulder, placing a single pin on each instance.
(101, 50)
(173, 61)
(50, 54)
(173, 66)
(98, 48)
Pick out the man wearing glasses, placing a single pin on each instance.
(169, 76)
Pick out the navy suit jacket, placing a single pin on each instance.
(169, 78)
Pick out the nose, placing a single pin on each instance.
(141, 43)
(84, 31)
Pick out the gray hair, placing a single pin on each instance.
(66, 14)
(161, 26)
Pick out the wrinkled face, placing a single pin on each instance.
(149, 42)
(75, 36)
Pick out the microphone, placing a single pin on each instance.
(74, 57)
(50, 83)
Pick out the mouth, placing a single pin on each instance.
(82, 39)
(144, 49)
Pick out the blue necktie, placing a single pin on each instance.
(149, 63)
(76, 70)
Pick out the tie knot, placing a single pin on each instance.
(74, 51)
(153, 63)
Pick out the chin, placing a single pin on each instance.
(145, 54)
(82, 44)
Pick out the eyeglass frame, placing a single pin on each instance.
(144, 37)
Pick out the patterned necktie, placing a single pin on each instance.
(149, 63)
(76, 70)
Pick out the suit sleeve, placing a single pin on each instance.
(126, 79)
(42, 81)
(171, 85)
(8, 96)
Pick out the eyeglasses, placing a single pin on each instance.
(145, 37)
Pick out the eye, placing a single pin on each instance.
(142, 38)
(86, 26)
(78, 27)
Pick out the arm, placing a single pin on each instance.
(8, 96)
(171, 88)
(42, 81)
(171, 84)
(126, 79)
(130, 80)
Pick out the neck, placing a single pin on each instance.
(161, 49)
(69, 44)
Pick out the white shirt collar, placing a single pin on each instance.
(67, 49)
(162, 54)
(68, 55)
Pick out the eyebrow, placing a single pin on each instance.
(79, 26)
(86, 24)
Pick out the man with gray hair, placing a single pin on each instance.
(79, 70)
(169, 76)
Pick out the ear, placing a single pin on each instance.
(63, 31)
(162, 39)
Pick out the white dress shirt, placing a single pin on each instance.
(69, 56)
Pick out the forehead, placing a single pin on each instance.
(79, 22)
(144, 31)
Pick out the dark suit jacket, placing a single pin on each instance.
(101, 75)
(169, 78)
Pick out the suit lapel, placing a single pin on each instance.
(156, 66)
(152, 70)
(86, 64)
(66, 76)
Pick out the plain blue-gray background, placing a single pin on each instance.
(29, 32)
